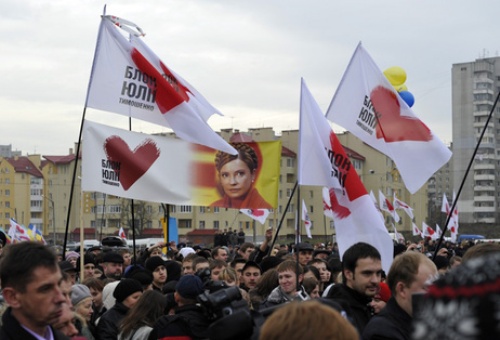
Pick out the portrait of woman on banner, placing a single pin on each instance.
(236, 178)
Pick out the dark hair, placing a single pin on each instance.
(20, 260)
(358, 251)
(145, 312)
(314, 270)
(238, 260)
(94, 283)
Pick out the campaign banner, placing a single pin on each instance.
(168, 170)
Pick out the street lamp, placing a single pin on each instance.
(53, 217)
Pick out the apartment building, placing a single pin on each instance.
(474, 88)
(101, 215)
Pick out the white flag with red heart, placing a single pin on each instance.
(367, 105)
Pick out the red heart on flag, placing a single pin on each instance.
(256, 212)
(452, 229)
(133, 164)
(393, 127)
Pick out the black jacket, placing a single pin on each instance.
(108, 327)
(12, 330)
(188, 321)
(391, 323)
(355, 304)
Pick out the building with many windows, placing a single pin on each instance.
(101, 215)
(474, 88)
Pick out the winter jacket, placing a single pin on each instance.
(12, 330)
(391, 323)
(189, 321)
(109, 323)
(355, 304)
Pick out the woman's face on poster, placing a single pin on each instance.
(236, 178)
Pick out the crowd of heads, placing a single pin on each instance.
(112, 292)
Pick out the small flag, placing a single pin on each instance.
(385, 205)
(398, 204)
(306, 219)
(121, 233)
(260, 215)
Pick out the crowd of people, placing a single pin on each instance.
(248, 291)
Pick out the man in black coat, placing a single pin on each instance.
(410, 273)
(362, 271)
(31, 281)
(189, 320)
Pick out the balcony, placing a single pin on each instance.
(484, 198)
(484, 209)
(484, 177)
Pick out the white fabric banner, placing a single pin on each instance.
(367, 105)
(323, 161)
(129, 79)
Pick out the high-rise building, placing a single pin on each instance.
(474, 87)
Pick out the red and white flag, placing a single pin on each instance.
(453, 222)
(415, 230)
(386, 205)
(260, 215)
(438, 230)
(398, 204)
(367, 105)
(306, 219)
(129, 79)
(327, 205)
(18, 232)
(121, 234)
(429, 232)
(323, 162)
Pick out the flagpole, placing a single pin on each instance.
(450, 214)
(283, 215)
(70, 202)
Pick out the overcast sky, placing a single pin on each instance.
(245, 57)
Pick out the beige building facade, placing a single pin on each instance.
(101, 215)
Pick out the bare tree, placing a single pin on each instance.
(143, 214)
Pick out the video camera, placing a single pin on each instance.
(224, 306)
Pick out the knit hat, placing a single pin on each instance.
(87, 258)
(79, 292)
(186, 251)
(441, 262)
(174, 270)
(270, 262)
(113, 257)
(154, 262)
(108, 300)
(463, 304)
(189, 287)
(66, 267)
(71, 254)
(145, 277)
(384, 292)
(125, 288)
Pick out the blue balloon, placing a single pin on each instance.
(408, 97)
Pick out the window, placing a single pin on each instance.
(185, 208)
(114, 209)
(7, 192)
(288, 193)
(203, 210)
(216, 209)
(290, 162)
(216, 224)
(201, 224)
(183, 223)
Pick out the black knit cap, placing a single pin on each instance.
(113, 257)
(125, 288)
(154, 262)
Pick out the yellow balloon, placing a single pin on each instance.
(400, 88)
(396, 75)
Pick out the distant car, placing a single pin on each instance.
(113, 241)
(469, 237)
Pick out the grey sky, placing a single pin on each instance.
(245, 57)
